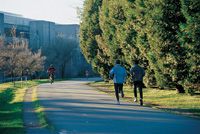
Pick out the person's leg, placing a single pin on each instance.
(135, 84)
(121, 90)
(140, 89)
(116, 91)
(140, 85)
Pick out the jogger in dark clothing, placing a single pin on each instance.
(137, 74)
(138, 84)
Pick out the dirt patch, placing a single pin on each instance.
(182, 112)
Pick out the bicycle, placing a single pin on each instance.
(51, 77)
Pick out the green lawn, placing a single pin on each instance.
(11, 100)
(166, 98)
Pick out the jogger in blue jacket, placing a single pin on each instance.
(118, 73)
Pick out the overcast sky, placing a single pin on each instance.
(58, 11)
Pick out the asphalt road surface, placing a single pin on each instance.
(75, 108)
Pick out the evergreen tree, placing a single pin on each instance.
(89, 28)
(163, 34)
(127, 37)
(189, 37)
(110, 20)
(140, 13)
(101, 61)
(159, 25)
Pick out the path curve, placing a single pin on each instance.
(75, 108)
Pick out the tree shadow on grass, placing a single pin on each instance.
(10, 114)
(11, 119)
(5, 97)
(12, 130)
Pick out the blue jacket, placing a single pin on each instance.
(119, 74)
(138, 73)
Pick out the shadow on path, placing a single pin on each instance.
(78, 109)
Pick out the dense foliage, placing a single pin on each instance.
(163, 35)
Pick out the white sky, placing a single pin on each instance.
(58, 11)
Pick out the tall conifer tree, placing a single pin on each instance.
(190, 38)
(127, 37)
(111, 18)
(89, 28)
(159, 25)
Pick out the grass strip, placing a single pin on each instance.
(44, 122)
(11, 101)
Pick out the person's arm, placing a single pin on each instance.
(125, 73)
(132, 70)
(143, 72)
(53, 70)
(112, 72)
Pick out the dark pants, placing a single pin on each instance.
(118, 89)
(138, 84)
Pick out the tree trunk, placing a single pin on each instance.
(30, 75)
(38, 74)
(4, 77)
(21, 75)
(62, 69)
(179, 88)
(12, 76)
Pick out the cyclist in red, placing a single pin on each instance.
(51, 70)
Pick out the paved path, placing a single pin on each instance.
(78, 109)
(30, 118)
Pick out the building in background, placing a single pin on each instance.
(41, 34)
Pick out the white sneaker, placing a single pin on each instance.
(135, 100)
(118, 103)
